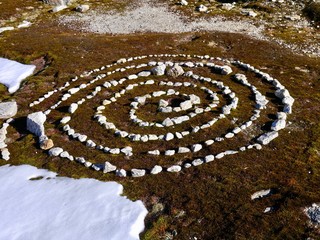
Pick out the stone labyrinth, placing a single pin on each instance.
(148, 114)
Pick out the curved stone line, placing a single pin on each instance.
(279, 124)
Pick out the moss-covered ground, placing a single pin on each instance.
(211, 201)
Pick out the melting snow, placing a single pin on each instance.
(64, 208)
(12, 73)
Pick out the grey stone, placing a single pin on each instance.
(35, 123)
(8, 109)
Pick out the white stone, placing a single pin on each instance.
(82, 8)
(154, 152)
(202, 8)
(175, 71)
(183, 150)
(73, 107)
(196, 147)
(197, 162)
(156, 169)
(174, 168)
(144, 74)
(5, 154)
(183, 2)
(114, 151)
(169, 136)
(220, 155)
(35, 123)
(229, 135)
(163, 103)
(167, 122)
(159, 70)
(169, 152)
(261, 194)
(209, 158)
(138, 172)
(55, 151)
(108, 167)
(278, 125)
(65, 119)
(127, 151)
(266, 138)
(121, 173)
(186, 105)
(225, 70)
(209, 142)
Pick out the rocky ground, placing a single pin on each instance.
(253, 195)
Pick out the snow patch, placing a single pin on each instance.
(36, 204)
(13, 73)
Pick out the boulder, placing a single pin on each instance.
(266, 138)
(35, 123)
(8, 109)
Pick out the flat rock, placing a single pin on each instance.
(8, 109)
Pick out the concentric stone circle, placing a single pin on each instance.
(149, 71)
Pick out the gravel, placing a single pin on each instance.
(146, 17)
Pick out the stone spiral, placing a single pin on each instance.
(175, 110)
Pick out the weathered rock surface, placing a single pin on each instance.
(108, 167)
(175, 71)
(8, 109)
(35, 123)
